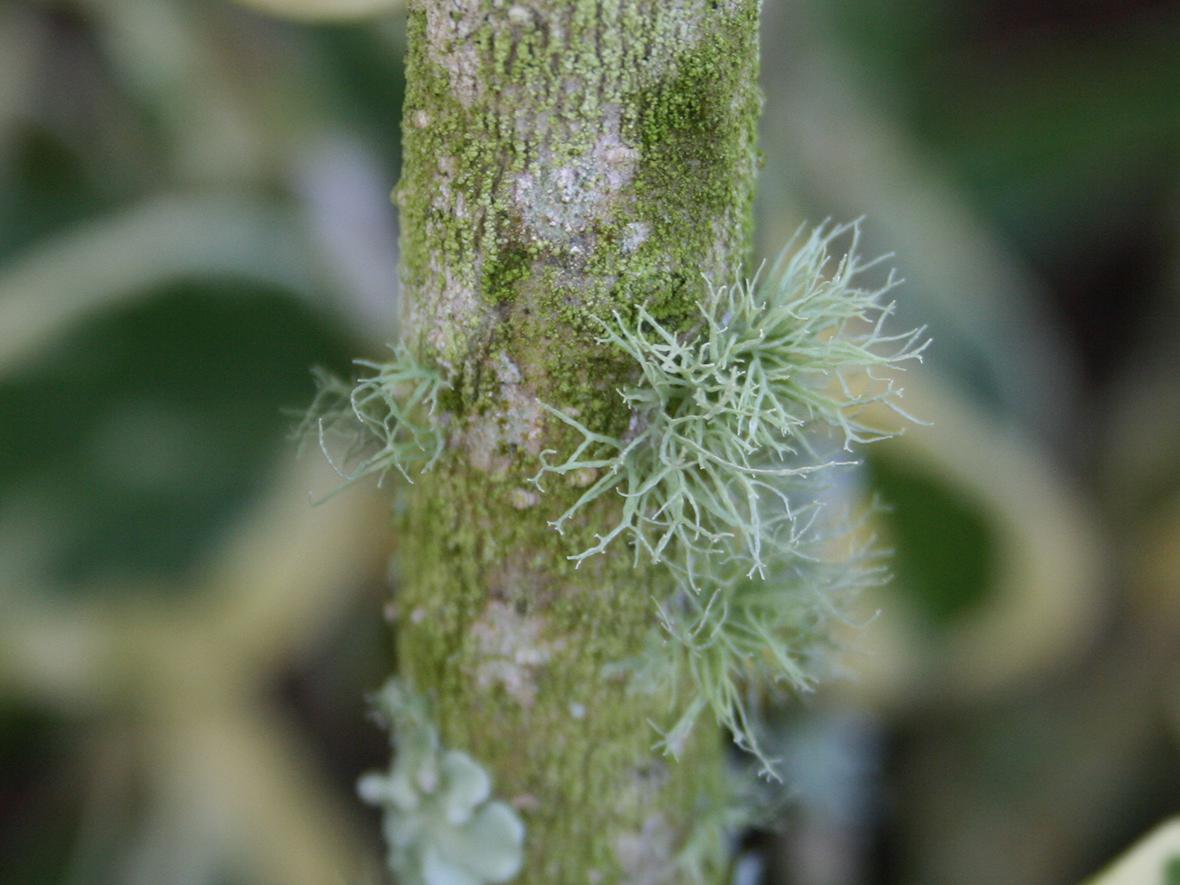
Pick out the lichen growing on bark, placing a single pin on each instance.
(723, 467)
(384, 421)
(728, 420)
(512, 649)
(441, 825)
(564, 159)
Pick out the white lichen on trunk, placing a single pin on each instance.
(510, 649)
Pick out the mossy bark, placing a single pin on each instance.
(564, 159)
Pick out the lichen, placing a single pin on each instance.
(602, 153)
(383, 421)
(441, 826)
(748, 641)
(514, 421)
(719, 818)
(450, 31)
(510, 647)
(722, 472)
(562, 202)
(647, 856)
(726, 422)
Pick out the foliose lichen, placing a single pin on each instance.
(440, 823)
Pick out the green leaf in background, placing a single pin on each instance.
(364, 79)
(1153, 859)
(138, 435)
(324, 10)
(38, 815)
(48, 186)
(945, 546)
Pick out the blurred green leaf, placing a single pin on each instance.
(125, 255)
(47, 186)
(366, 84)
(324, 10)
(136, 437)
(946, 548)
(1065, 122)
(38, 814)
(1154, 859)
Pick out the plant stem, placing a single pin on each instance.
(563, 159)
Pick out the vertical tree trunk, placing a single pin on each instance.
(563, 159)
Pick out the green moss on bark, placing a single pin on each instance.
(563, 159)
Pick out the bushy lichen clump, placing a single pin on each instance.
(726, 419)
(382, 422)
(723, 469)
(747, 638)
(441, 826)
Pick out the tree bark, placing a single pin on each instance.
(564, 159)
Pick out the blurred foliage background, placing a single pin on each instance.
(194, 211)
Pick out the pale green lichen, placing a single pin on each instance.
(719, 817)
(441, 826)
(724, 469)
(384, 421)
(726, 421)
(748, 640)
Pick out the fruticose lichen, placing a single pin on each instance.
(718, 820)
(384, 421)
(440, 824)
(747, 639)
(727, 420)
(724, 469)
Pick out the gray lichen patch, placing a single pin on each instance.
(521, 414)
(443, 323)
(516, 423)
(509, 647)
(451, 28)
(561, 199)
(635, 235)
(523, 499)
(481, 441)
(647, 857)
(680, 30)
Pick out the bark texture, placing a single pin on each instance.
(563, 159)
